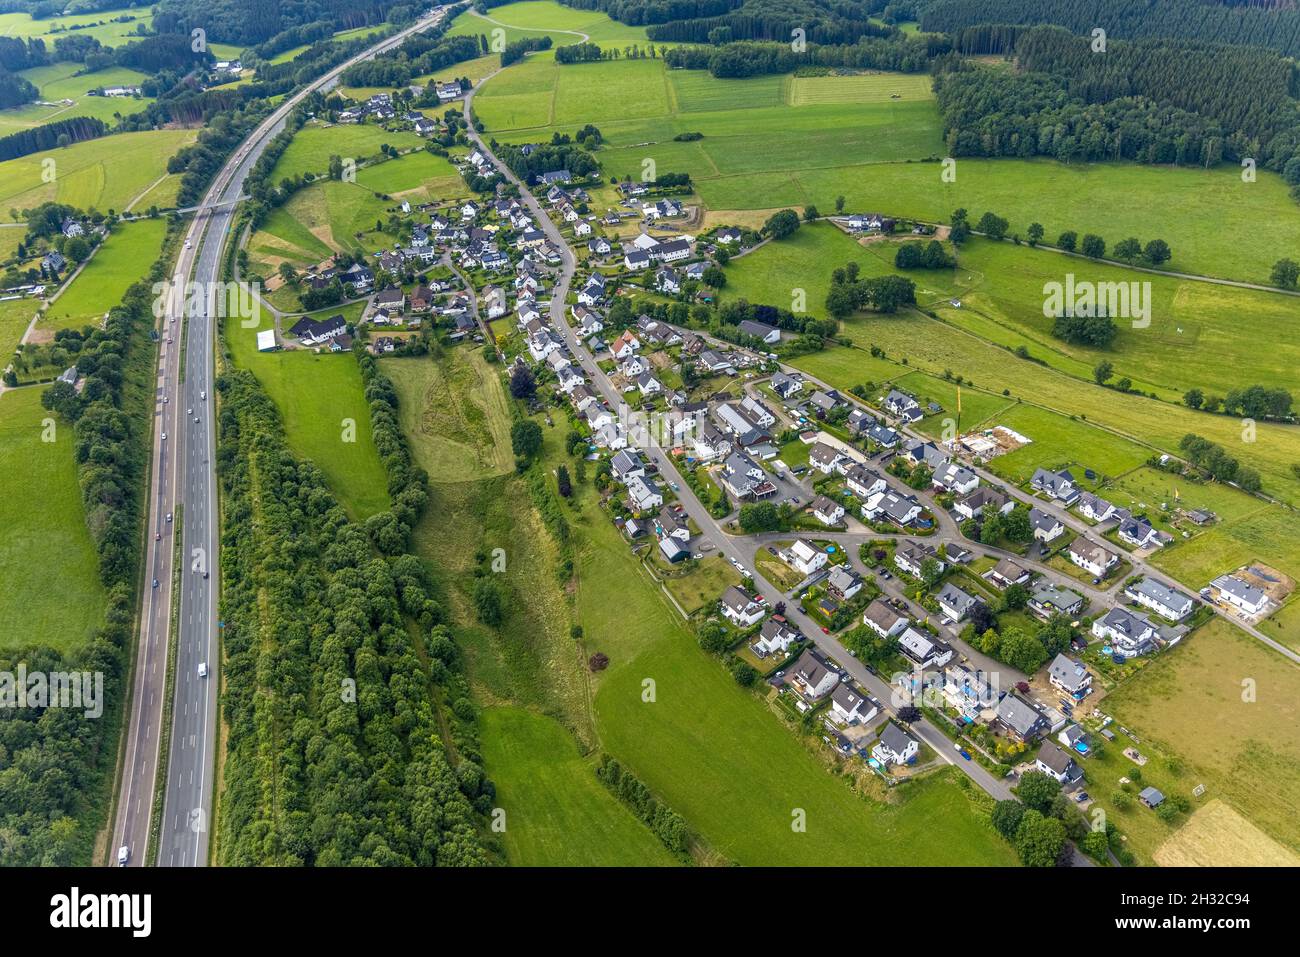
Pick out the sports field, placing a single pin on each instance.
(52, 593)
(325, 415)
(106, 173)
(123, 258)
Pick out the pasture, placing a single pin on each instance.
(324, 411)
(52, 593)
(419, 177)
(122, 259)
(1225, 704)
(318, 221)
(106, 173)
(314, 144)
(15, 316)
(109, 27)
(558, 813)
(1217, 836)
(565, 25)
(58, 82)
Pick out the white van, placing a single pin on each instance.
(123, 855)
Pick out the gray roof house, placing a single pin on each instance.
(1021, 718)
(954, 602)
(1059, 485)
(1069, 675)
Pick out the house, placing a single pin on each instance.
(851, 706)
(745, 478)
(673, 550)
(667, 281)
(843, 582)
(447, 92)
(313, 332)
(1095, 559)
(1129, 633)
(895, 746)
(1163, 600)
(554, 177)
(1047, 527)
(826, 511)
(786, 386)
(648, 384)
(1059, 485)
(970, 692)
(627, 465)
(635, 260)
(625, 346)
(901, 510)
(52, 263)
(709, 443)
(740, 607)
(860, 421)
(1239, 594)
(599, 246)
(673, 250)
(1151, 797)
(883, 436)
(757, 412)
(644, 494)
(813, 676)
(954, 602)
(1007, 573)
(863, 482)
(805, 556)
(825, 402)
(824, 458)
(728, 235)
(1047, 599)
(774, 636)
(1020, 718)
(928, 454)
(925, 650)
(1140, 533)
(392, 300)
(716, 362)
(955, 478)
(910, 556)
(902, 406)
(1070, 676)
(760, 330)
(1095, 508)
(1071, 736)
(883, 619)
(422, 299)
(1054, 762)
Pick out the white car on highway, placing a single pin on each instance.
(203, 669)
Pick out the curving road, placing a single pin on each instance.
(183, 474)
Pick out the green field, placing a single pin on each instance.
(1193, 702)
(15, 317)
(57, 82)
(558, 814)
(103, 174)
(318, 221)
(419, 177)
(325, 414)
(99, 25)
(565, 25)
(454, 412)
(314, 144)
(52, 593)
(123, 258)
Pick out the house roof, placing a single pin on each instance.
(1018, 715)
(1160, 593)
(895, 739)
(824, 505)
(883, 615)
(1009, 570)
(1069, 673)
(956, 599)
(1055, 758)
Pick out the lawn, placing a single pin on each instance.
(326, 418)
(106, 173)
(15, 317)
(454, 412)
(1226, 705)
(52, 593)
(123, 258)
(701, 585)
(418, 176)
(558, 814)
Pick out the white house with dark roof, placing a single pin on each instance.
(1095, 508)
(1052, 761)
(955, 478)
(1129, 633)
(895, 746)
(863, 482)
(1160, 598)
(910, 556)
(740, 608)
(805, 556)
(843, 582)
(827, 511)
(884, 620)
(1140, 533)
(1047, 599)
(775, 636)
(1070, 676)
(786, 386)
(813, 676)
(1007, 573)
(851, 706)
(902, 510)
(824, 458)
(1021, 718)
(1047, 527)
(954, 602)
(1095, 559)
(982, 501)
(901, 405)
(1059, 485)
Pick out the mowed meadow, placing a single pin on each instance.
(875, 138)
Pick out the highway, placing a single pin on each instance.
(183, 478)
